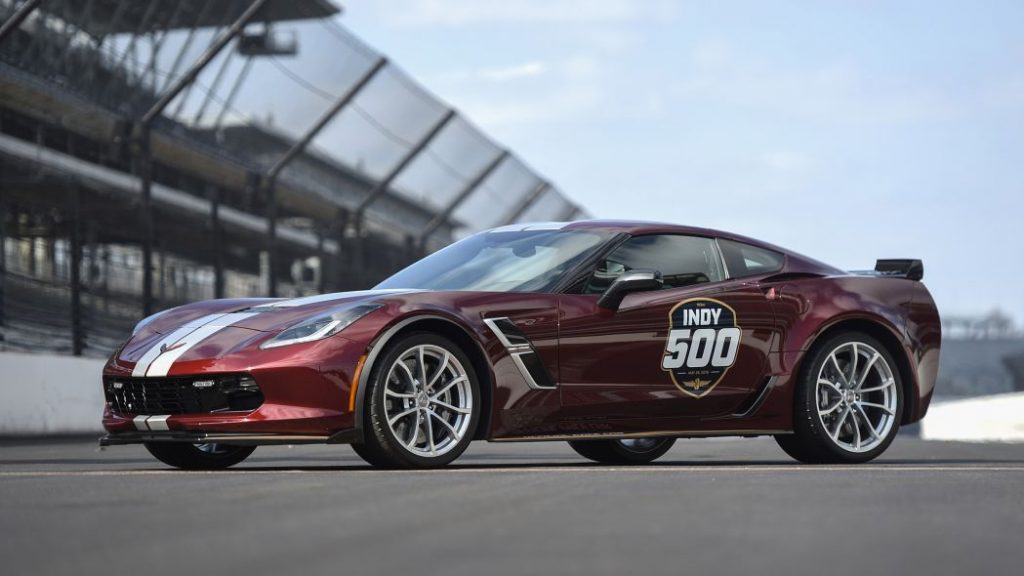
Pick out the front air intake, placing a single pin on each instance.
(186, 395)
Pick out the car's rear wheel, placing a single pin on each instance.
(848, 402)
(199, 456)
(625, 451)
(424, 404)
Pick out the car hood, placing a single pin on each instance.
(260, 314)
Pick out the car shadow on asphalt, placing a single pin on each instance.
(583, 466)
(146, 465)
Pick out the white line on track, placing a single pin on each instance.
(520, 470)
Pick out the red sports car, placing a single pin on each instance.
(618, 337)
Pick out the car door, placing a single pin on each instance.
(698, 347)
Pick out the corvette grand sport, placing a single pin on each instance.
(618, 337)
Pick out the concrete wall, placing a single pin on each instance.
(995, 418)
(49, 394)
(977, 367)
(53, 394)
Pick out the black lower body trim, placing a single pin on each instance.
(352, 436)
(236, 438)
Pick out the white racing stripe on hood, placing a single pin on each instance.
(157, 349)
(230, 319)
(162, 365)
(158, 359)
(294, 302)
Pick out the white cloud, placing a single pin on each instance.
(709, 54)
(785, 161)
(1004, 94)
(501, 96)
(501, 74)
(564, 103)
(580, 67)
(836, 93)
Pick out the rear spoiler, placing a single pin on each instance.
(897, 268)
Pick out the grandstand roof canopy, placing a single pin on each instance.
(121, 16)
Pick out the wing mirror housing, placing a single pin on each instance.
(628, 282)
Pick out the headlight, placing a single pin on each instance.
(319, 327)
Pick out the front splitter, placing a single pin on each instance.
(235, 438)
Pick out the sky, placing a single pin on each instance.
(847, 131)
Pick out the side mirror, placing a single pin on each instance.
(632, 281)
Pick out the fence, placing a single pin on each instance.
(158, 152)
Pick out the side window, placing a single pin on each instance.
(682, 261)
(746, 260)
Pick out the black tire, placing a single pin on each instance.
(371, 455)
(192, 457)
(381, 447)
(810, 441)
(621, 452)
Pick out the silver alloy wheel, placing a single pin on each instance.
(428, 400)
(641, 444)
(856, 397)
(214, 449)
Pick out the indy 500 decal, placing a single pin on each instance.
(703, 341)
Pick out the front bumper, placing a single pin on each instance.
(237, 439)
(306, 393)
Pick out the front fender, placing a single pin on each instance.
(378, 344)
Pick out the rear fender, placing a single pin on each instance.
(810, 310)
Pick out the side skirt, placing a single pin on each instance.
(123, 438)
(653, 434)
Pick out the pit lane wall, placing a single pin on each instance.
(48, 394)
(993, 418)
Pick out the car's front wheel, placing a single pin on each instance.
(424, 404)
(848, 402)
(625, 451)
(199, 456)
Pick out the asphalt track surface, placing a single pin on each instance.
(708, 507)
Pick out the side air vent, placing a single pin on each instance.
(512, 335)
(754, 401)
(525, 357)
(536, 369)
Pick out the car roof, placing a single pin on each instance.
(635, 227)
(796, 262)
(644, 227)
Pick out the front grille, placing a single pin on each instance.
(195, 395)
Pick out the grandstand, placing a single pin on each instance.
(155, 152)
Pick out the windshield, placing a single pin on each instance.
(501, 261)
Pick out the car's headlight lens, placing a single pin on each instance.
(322, 326)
